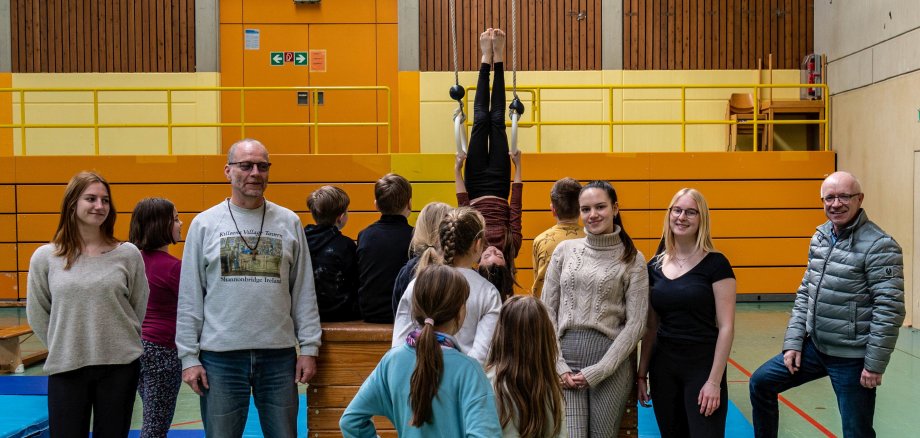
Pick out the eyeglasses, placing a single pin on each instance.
(844, 199)
(246, 166)
(690, 212)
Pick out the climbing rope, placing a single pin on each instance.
(457, 92)
(516, 109)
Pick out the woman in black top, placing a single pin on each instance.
(690, 325)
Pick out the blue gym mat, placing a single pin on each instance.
(23, 416)
(736, 426)
(254, 429)
(23, 385)
(190, 433)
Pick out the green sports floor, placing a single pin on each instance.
(808, 411)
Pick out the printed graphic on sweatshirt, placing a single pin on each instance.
(238, 260)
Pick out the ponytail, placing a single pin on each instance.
(423, 386)
(629, 248)
(428, 257)
(440, 292)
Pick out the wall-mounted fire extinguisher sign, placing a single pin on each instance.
(811, 74)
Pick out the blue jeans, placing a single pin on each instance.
(856, 403)
(267, 374)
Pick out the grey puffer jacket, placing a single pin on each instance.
(851, 300)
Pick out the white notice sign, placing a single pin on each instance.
(252, 39)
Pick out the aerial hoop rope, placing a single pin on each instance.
(516, 109)
(457, 92)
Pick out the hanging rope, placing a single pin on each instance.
(514, 50)
(516, 109)
(457, 92)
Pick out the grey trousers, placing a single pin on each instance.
(596, 411)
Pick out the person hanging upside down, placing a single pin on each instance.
(483, 184)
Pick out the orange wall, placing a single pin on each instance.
(360, 40)
(763, 205)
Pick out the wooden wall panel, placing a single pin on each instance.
(778, 224)
(716, 34)
(129, 36)
(551, 35)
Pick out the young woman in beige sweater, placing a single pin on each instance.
(87, 299)
(596, 291)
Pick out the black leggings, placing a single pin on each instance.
(677, 372)
(488, 167)
(105, 391)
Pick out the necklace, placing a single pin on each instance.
(681, 261)
(253, 249)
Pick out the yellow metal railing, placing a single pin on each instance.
(535, 119)
(315, 123)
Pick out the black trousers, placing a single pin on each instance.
(488, 167)
(104, 391)
(677, 372)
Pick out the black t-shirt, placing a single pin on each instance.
(686, 305)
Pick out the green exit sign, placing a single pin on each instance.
(301, 58)
(276, 58)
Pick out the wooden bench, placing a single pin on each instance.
(11, 358)
(349, 354)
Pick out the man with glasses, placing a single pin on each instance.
(846, 315)
(246, 300)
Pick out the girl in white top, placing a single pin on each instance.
(461, 236)
(522, 369)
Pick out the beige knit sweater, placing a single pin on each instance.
(587, 286)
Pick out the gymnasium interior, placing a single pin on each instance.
(753, 103)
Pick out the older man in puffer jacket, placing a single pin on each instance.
(846, 316)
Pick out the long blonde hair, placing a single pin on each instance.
(425, 234)
(523, 357)
(703, 234)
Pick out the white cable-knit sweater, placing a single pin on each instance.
(587, 286)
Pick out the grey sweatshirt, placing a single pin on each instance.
(90, 314)
(237, 294)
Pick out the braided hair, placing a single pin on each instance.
(457, 233)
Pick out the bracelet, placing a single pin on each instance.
(641, 378)
(714, 384)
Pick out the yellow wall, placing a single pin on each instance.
(6, 135)
(436, 108)
(116, 107)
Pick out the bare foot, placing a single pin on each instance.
(485, 44)
(498, 45)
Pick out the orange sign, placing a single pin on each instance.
(318, 60)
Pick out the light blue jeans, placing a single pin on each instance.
(233, 375)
